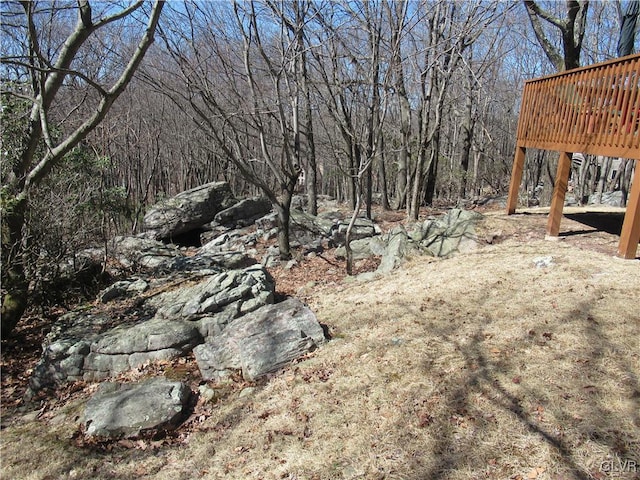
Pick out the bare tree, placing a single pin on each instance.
(296, 25)
(49, 68)
(236, 73)
(397, 18)
(571, 28)
(354, 82)
(452, 29)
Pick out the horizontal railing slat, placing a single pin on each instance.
(589, 110)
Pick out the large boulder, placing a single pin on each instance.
(244, 212)
(141, 252)
(228, 294)
(310, 231)
(90, 347)
(453, 232)
(189, 210)
(123, 289)
(305, 229)
(398, 245)
(66, 346)
(94, 345)
(330, 227)
(614, 199)
(210, 262)
(363, 248)
(220, 240)
(127, 347)
(362, 228)
(119, 410)
(261, 342)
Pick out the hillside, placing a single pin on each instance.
(520, 360)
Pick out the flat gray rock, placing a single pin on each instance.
(128, 410)
(261, 342)
(363, 248)
(362, 228)
(209, 261)
(124, 348)
(154, 334)
(123, 289)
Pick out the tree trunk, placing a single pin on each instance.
(572, 30)
(432, 173)
(397, 26)
(14, 281)
(383, 179)
(354, 161)
(311, 175)
(32, 167)
(283, 210)
(347, 241)
(401, 178)
(605, 167)
(369, 190)
(467, 137)
(414, 204)
(625, 180)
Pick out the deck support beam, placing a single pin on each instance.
(630, 235)
(559, 192)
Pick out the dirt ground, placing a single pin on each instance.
(517, 360)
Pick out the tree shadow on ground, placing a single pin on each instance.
(482, 381)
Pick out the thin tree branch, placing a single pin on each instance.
(48, 161)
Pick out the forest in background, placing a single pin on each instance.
(403, 103)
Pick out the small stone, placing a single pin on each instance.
(206, 393)
(290, 264)
(543, 262)
(246, 392)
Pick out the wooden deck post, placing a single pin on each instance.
(630, 235)
(516, 179)
(559, 191)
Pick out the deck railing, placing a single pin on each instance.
(594, 110)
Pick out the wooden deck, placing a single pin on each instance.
(593, 110)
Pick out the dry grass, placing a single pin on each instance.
(481, 366)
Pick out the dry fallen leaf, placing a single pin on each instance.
(536, 472)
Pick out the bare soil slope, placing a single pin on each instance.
(519, 360)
